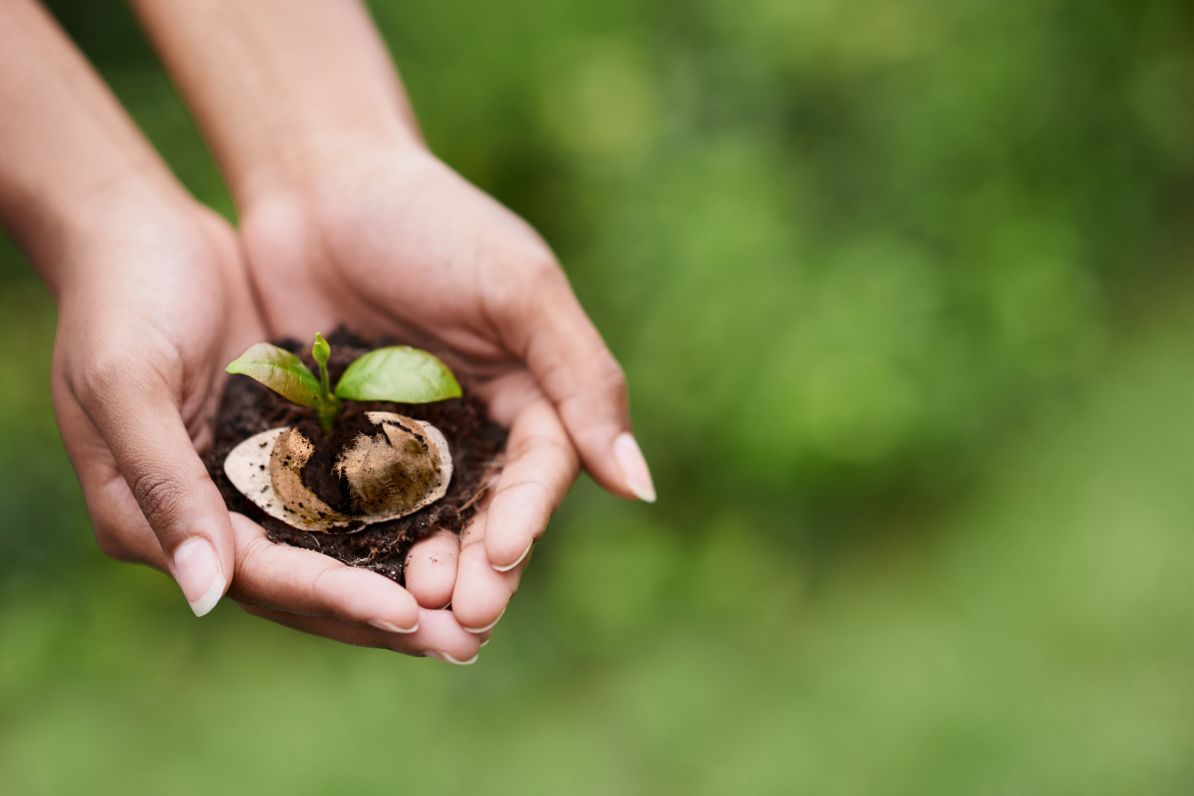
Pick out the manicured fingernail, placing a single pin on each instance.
(521, 558)
(197, 571)
(634, 467)
(486, 641)
(479, 630)
(446, 658)
(390, 627)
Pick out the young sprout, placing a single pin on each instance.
(329, 404)
(399, 374)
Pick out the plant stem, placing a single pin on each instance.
(326, 415)
(329, 404)
(325, 383)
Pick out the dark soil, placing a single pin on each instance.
(247, 408)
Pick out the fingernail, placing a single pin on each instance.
(390, 627)
(521, 558)
(486, 641)
(479, 630)
(634, 467)
(197, 571)
(446, 658)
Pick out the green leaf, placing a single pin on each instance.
(400, 374)
(281, 371)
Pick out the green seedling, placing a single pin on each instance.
(399, 374)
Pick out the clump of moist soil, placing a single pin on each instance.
(248, 408)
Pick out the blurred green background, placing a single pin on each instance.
(903, 291)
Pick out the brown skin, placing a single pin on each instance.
(345, 213)
(153, 300)
(426, 274)
(348, 218)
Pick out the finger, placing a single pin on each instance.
(542, 464)
(305, 582)
(579, 374)
(431, 569)
(482, 592)
(121, 530)
(439, 635)
(138, 418)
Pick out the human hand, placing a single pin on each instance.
(347, 218)
(395, 243)
(153, 300)
(153, 303)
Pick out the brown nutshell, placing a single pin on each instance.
(290, 452)
(394, 470)
(399, 468)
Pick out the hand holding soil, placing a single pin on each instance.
(457, 274)
(148, 319)
(348, 220)
(391, 456)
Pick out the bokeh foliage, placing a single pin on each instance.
(901, 291)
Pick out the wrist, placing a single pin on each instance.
(304, 166)
(55, 211)
(67, 240)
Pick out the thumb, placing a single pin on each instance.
(576, 370)
(154, 453)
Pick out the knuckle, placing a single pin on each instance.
(321, 589)
(534, 499)
(111, 545)
(528, 281)
(542, 271)
(248, 556)
(610, 377)
(251, 568)
(100, 376)
(554, 373)
(595, 407)
(252, 556)
(159, 497)
(536, 442)
(603, 384)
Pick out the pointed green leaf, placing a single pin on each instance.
(281, 371)
(400, 374)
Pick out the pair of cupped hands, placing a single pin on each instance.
(164, 293)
